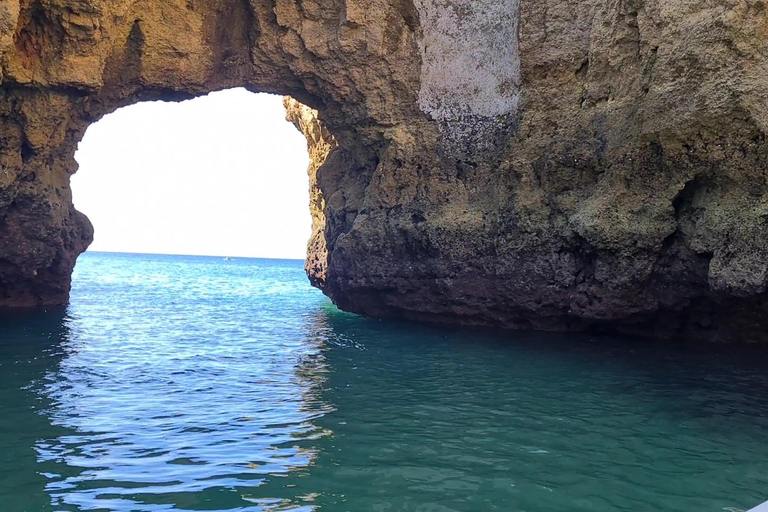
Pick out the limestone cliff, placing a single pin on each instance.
(559, 165)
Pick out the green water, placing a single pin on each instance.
(174, 383)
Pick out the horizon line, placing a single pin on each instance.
(194, 255)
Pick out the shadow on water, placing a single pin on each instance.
(452, 420)
(698, 382)
(32, 344)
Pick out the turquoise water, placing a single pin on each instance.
(191, 383)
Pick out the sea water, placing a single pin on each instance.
(194, 383)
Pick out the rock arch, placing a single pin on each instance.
(553, 165)
(66, 65)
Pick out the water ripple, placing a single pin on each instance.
(177, 383)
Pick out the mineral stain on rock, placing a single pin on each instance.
(470, 73)
(470, 58)
(556, 165)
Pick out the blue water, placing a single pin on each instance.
(194, 383)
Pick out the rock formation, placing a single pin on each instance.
(556, 165)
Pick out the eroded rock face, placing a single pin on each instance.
(557, 165)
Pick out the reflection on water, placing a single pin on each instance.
(195, 384)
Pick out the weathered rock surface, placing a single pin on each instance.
(557, 165)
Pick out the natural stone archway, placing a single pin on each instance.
(64, 65)
(555, 165)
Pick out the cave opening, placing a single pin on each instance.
(217, 175)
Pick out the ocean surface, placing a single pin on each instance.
(194, 383)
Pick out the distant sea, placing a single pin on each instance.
(175, 383)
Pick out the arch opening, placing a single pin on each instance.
(217, 175)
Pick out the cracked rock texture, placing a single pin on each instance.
(555, 165)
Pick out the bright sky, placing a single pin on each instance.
(221, 175)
